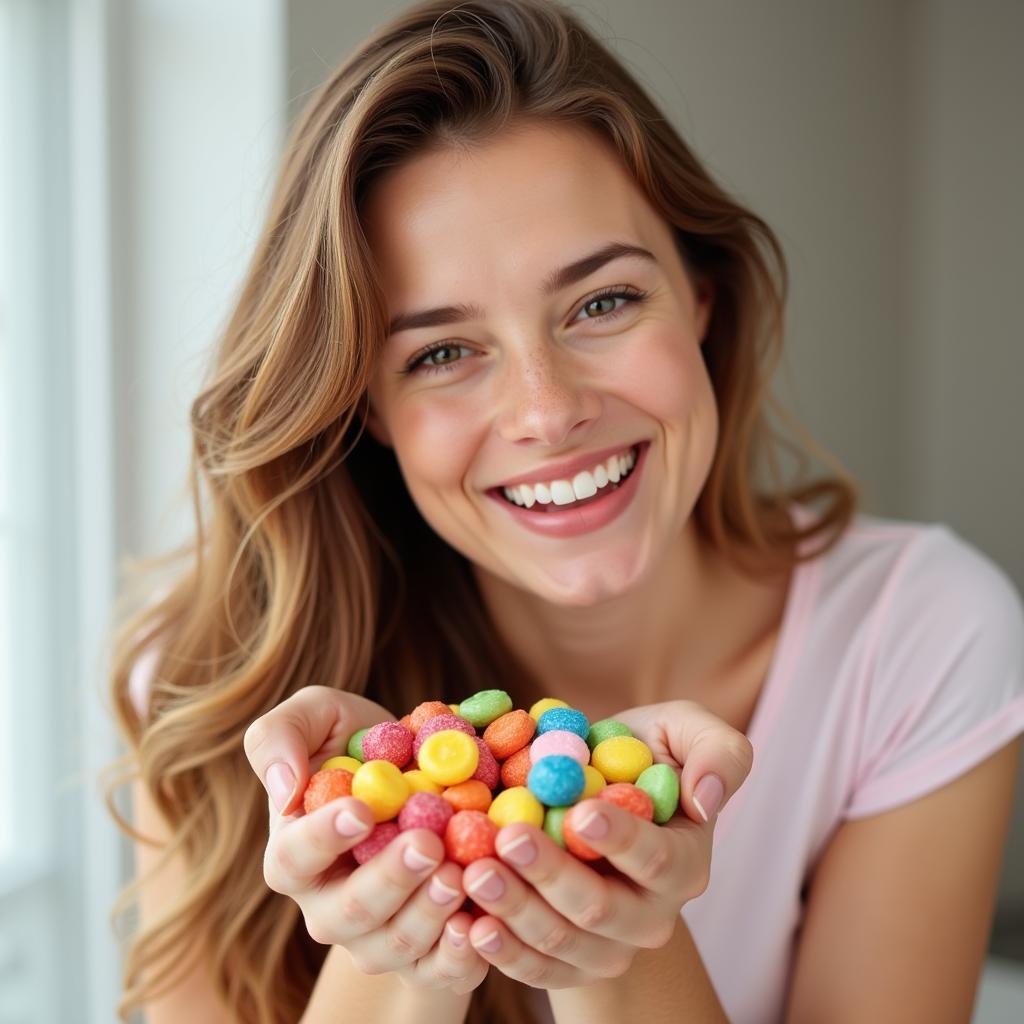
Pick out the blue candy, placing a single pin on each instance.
(556, 780)
(568, 719)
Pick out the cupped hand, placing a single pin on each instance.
(400, 911)
(553, 921)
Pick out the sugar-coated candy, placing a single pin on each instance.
(484, 707)
(425, 810)
(556, 780)
(350, 764)
(558, 741)
(388, 741)
(574, 842)
(449, 756)
(568, 719)
(593, 782)
(516, 804)
(420, 783)
(509, 733)
(428, 709)
(381, 835)
(487, 769)
(516, 769)
(437, 724)
(630, 798)
(469, 836)
(355, 744)
(621, 758)
(545, 704)
(325, 786)
(454, 708)
(661, 783)
(406, 722)
(554, 818)
(382, 787)
(605, 730)
(471, 795)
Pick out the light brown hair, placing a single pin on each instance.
(310, 562)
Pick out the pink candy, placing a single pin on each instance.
(558, 741)
(487, 770)
(375, 841)
(388, 741)
(436, 724)
(425, 810)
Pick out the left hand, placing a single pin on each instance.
(560, 923)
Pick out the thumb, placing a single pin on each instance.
(716, 762)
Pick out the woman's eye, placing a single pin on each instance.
(442, 352)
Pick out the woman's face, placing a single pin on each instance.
(538, 371)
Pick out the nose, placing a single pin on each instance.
(543, 397)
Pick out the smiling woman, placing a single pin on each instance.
(479, 425)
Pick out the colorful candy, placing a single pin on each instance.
(448, 757)
(388, 741)
(471, 795)
(437, 724)
(661, 783)
(621, 758)
(382, 787)
(516, 804)
(545, 704)
(484, 707)
(605, 730)
(488, 770)
(558, 741)
(509, 733)
(350, 764)
(469, 836)
(325, 786)
(355, 745)
(425, 810)
(381, 835)
(556, 780)
(568, 719)
(428, 709)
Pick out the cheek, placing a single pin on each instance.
(434, 442)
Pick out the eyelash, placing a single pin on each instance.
(634, 295)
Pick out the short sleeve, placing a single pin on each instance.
(947, 675)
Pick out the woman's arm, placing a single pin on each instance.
(663, 986)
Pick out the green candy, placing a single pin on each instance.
(355, 745)
(605, 730)
(484, 707)
(661, 784)
(553, 826)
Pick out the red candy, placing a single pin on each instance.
(382, 834)
(388, 741)
(323, 787)
(437, 724)
(515, 770)
(623, 794)
(487, 770)
(509, 733)
(469, 836)
(425, 810)
(428, 709)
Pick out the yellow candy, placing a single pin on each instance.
(545, 704)
(621, 758)
(449, 757)
(593, 782)
(419, 782)
(382, 787)
(350, 764)
(455, 709)
(516, 804)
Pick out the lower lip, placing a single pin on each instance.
(575, 521)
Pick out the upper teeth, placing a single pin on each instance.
(582, 485)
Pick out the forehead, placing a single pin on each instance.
(516, 204)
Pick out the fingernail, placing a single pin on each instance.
(707, 795)
(490, 943)
(520, 851)
(349, 825)
(455, 937)
(488, 886)
(441, 893)
(280, 784)
(416, 861)
(593, 826)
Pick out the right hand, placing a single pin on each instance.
(387, 913)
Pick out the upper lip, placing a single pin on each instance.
(568, 468)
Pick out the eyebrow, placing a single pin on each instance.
(559, 279)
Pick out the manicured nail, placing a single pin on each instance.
(490, 943)
(488, 886)
(441, 893)
(520, 851)
(280, 784)
(707, 795)
(416, 861)
(455, 937)
(349, 825)
(593, 826)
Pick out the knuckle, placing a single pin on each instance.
(558, 942)
(595, 914)
(654, 866)
(355, 911)
(401, 945)
(255, 737)
(537, 975)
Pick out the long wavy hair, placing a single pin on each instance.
(310, 563)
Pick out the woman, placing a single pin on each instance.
(494, 279)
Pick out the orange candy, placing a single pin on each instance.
(469, 836)
(623, 794)
(471, 795)
(428, 709)
(509, 733)
(515, 770)
(406, 721)
(323, 787)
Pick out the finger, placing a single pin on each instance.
(607, 906)
(453, 963)
(302, 847)
(279, 744)
(534, 921)
(499, 946)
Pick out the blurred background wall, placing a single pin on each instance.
(881, 141)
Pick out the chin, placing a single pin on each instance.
(592, 580)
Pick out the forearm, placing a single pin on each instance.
(342, 992)
(663, 986)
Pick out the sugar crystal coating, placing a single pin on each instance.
(605, 730)
(449, 757)
(661, 783)
(516, 769)
(621, 758)
(428, 709)
(388, 741)
(355, 744)
(382, 787)
(425, 810)
(484, 707)
(568, 719)
(325, 786)
(630, 798)
(469, 836)
(559, 741)
(545, 704)
(471, 795)
(554, 817)
(516, 804)
(487, 769)
(437, 724)
(350, 764)
(509, 733)
(375, 841)
(556, 780)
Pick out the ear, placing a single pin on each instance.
(704, 308)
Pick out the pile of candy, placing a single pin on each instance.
(432, 770)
